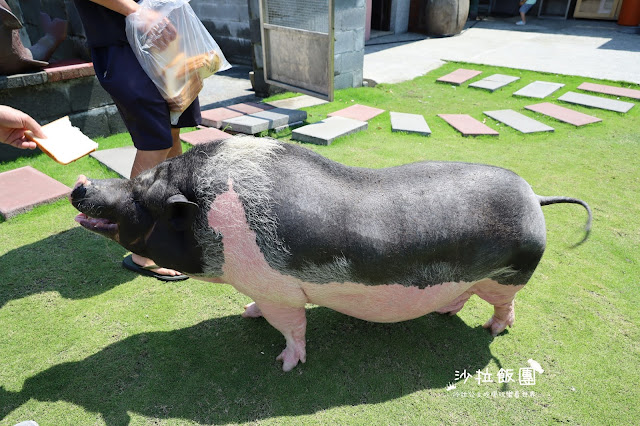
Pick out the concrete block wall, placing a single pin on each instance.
(86, 103)
(400, 16)
(348, 50)
(228, 23)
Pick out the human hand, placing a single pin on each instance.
(14, 124)
(157, 29)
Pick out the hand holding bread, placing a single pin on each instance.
(13, 126)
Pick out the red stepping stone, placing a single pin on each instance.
(24, 188)
(198, 137)
(250, 107)
(563, 114)
(215, 117)
(610, 90)
(357, 112)
(467, 125)
(459, 76)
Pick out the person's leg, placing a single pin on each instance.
(176, 149)
(144, 112)
(146, 160)
(523, 12)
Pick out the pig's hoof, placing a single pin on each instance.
(503, 317)
(252, 311)
(291, 355)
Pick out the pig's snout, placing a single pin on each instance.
(80, 188)
(82, 180)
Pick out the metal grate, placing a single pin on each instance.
(310, 15)
(297, 45)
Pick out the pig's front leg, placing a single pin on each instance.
(292, 323)
(251, 310)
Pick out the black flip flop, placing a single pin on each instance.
(128, 263)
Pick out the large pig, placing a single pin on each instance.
(287, 227)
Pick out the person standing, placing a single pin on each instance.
(525, 6)
(139, 102)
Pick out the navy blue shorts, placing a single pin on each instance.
(142, 107)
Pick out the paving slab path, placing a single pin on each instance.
(459, 76)
(494, 82)
(200, 136)
(410, 123)
(25, 188)
(566, 115)
(120, 160)
(357, 112)
(467, 125)
(264, 120)
(326, 131)
(596, 102)
(610, 90)
(538, 89)
(518, 121)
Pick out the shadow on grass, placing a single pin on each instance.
(76, 263)
(223, 370)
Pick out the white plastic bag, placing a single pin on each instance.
(175, 50)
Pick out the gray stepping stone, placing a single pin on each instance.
(494, 82)
(467, 125)
(459, 76)
(518, 121)
(264, 120)
(246, 124)
(280, 117)
(297, 102)
(596, 102)
(610, 90)
(563, 114)
(120, 160)
(24, 188)
(410, 123)
(538, 89)
(326, 131)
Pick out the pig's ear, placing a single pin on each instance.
(181, 212)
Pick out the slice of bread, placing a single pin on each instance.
(64, 143)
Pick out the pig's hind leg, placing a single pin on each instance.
(501, 296)
(292, 323)
(456, 305)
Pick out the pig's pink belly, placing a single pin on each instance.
(246, 269)
(383, 303)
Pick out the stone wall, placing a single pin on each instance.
(71, 90)
(228, 23)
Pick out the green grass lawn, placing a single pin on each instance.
(84, 341)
